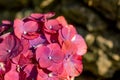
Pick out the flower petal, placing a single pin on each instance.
(80, 43)
(42, 54)
(18, 27)
(13, 73)
(62, 21)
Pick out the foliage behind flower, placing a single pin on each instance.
(40, 48)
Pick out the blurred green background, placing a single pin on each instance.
(98, 21)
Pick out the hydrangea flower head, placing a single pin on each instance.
(40, 47)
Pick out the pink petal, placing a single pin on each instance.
(23, 60)
(13, 73)
(54, 46)
(73, 68)
(42, 51)
(58, 68)
(80, 43)
(6, 22)
(41, 75)
(10, 47)
(25, 47)
(45, 62)
(57, 56)
(53, 25)
(62, 21)
(42, 54)
(69, 47)
(18, 27)
(67, 33)
(36, 15)
(37, 41)
(30, 26)
(49, 14)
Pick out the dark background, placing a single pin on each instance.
(98, 21)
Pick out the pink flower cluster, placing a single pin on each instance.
(40, 48)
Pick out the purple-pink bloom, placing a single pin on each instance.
(26, 30)
(40, 48)
(47, 55)
(9, 47)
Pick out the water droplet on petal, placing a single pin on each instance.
(18, 68)
(50, 75)
(73, 39)
(8, 51)
(2, 66)
(25, 32)
(50, 27)
(50, 57)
